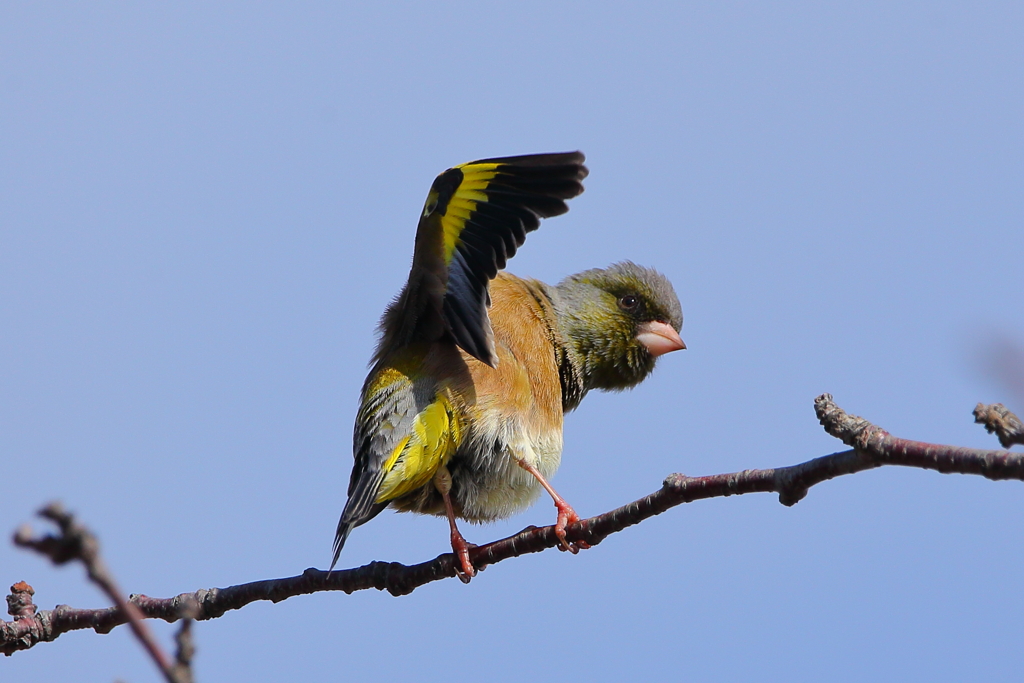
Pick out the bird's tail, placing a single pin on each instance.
(344, 529)
(350, 519)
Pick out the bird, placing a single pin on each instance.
(461, 413)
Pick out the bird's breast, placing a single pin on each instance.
(516, 411)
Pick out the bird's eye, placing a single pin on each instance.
(628, 302)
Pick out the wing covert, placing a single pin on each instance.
(404, 431)
(386, 413)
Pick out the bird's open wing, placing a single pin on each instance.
(399, 443)
(475, 218)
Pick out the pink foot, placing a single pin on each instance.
(567, 516)
(461, 549)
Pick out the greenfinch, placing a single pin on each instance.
(461, 413)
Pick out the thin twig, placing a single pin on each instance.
(871, 447)
(76, 542)
(186, 651)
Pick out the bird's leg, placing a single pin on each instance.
(443, 484)
(566, 515)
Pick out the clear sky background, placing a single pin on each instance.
(204, 209)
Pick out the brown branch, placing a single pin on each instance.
(76, 542)
(871, 447)
(1000, 421)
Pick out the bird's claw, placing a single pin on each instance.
(567, 516)
(461, 549)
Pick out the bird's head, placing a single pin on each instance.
(617, 321)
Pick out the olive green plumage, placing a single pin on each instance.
(599, 314)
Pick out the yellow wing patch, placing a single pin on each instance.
(476, 217)
(475, 179)
(436, 434)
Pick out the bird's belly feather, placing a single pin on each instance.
(488, 484)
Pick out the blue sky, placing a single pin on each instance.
(206, 207)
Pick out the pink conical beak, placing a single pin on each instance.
(659, 338)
